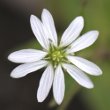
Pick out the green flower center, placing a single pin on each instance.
(56, 56)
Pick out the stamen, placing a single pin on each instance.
(56, 55)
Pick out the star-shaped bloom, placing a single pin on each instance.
(56, 56)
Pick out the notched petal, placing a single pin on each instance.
(72, 32)
(26, 56)
(84, 41)
(78, 75)
(37, 28)
(59, 85)
(45, 84)
(85, 65)
(24, 69)
(49, 26)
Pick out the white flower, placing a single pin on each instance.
(56, 56)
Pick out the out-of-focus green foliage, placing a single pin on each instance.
(99, 97)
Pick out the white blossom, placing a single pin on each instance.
(56, 57)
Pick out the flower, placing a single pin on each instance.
(56, 56)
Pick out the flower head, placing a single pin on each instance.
(56, 56)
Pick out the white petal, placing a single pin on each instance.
(84, 41)
(78, 75)
(25, 69)
(85, 65)
(26, 56)
(72, 32)
(49, 26)
(45, 84)
(59, 85)
(37, 28)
